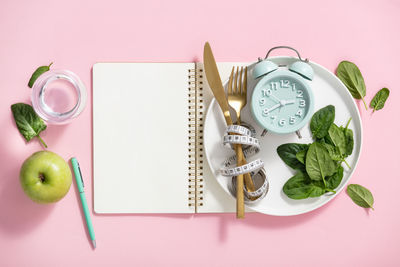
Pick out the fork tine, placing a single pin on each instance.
(245, 81)
(236, 81)
(240, 82)
(230, 81)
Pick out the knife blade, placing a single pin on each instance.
(214, 80)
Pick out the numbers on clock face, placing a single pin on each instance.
(300, 93)
(274, 86)
(283, 102)
(267, 92)
(285, 83)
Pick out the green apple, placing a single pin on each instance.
(45, 177)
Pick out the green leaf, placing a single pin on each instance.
(333, 151)
(317, 189)
(321, 121)
(325, 140)
(351, 76)
(301, 186)
(319, 163)
(332, 182)
(287, 152)
(29, 124)
(301, 156)
(338, 138)
(378, 102)
(348, 133)
(360, 195)
(39, 71)
(296, 187)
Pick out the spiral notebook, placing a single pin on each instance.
(148, 139)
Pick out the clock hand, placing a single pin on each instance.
(272, 108)
(290, 102)
(287, 102)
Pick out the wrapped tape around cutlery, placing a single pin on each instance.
(260, 181)
(245, 135)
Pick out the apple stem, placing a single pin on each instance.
(41, 141)
(41, 177)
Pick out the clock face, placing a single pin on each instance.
(282, 103)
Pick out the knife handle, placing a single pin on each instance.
(241, 160)
(239, 184)
(239, 197)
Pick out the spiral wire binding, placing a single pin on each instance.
(195, 153)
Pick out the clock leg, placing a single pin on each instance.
(298, 134)
(264, 132)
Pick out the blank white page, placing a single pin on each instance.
(140, 137)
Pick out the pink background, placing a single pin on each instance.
(76, 34)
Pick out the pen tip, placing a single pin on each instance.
(94, 243)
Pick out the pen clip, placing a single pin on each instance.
(79, 168)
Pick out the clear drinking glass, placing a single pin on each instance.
(58, 96)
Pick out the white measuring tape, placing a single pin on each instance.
(245, 135)
(260, 181)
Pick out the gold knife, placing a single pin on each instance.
(214, 80)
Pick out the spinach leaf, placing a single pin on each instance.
(338, 138)
(332, 182)
(317, 189)
(325, 140)
(343, 143)
(39, 71)
(348, 133)
(351, 76)
(29, 124)
(287, 152)
(301, 186)
(333, 151)
(378, 102)
(301, 156)
(319, 163)
(296, 187)
(360, 195)
(321, 121)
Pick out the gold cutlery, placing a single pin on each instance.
(237, 99)
(214, 80)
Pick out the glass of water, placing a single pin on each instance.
(58, 96)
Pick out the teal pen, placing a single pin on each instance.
(80, 185)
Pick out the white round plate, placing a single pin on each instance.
(328, 90)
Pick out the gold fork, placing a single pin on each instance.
(237, 98)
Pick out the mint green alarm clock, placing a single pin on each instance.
(282, 101)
